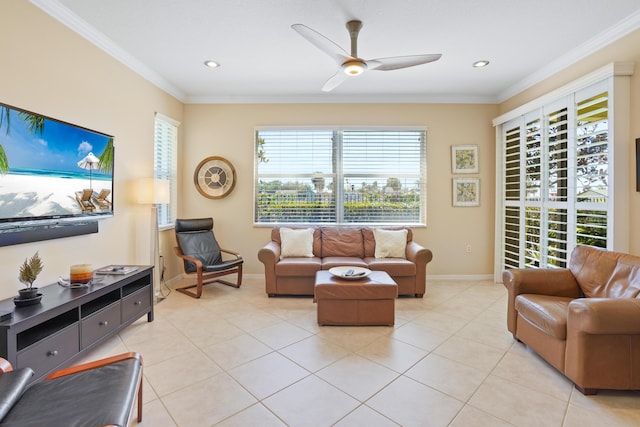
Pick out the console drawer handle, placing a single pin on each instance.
(137, 303)
(103, 323)
(52, 353)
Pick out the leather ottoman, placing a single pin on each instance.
(364, 302)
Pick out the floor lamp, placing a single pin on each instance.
(154, 192)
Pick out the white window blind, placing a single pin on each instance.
(555, 167)
(340, 176)
(165, 165)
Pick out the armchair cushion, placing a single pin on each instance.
(546, 312)
(603, 274)
(12, 385)
(90, 398)
(200, 245)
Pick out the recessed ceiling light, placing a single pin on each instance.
(211, 64)
(480, 64)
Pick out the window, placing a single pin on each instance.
(350, 176)
(165, 165)
(555, 180)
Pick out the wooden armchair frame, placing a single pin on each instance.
(207, 277)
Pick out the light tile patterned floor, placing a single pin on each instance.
(238, 358)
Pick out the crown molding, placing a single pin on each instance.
(601, 40)
(342, 99)
(61, 13)
(614, 69)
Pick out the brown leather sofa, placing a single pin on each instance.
(342, 246)
(584, 320)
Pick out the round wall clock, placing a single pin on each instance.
(215, 177)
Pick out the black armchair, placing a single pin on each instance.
(202, 256)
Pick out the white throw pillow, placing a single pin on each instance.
(296, 243)
(390, 243)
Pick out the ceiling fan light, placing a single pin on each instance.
(353, 68)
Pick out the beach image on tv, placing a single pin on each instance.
(51, 169)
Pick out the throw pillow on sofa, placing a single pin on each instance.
(296, 243)
(390, 243)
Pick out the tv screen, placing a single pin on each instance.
(52, 171)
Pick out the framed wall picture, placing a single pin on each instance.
(466, 191)
(464, 158)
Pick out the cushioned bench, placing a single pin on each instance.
(368, 301)
(99, 393)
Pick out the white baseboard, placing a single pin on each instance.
(444, 277)
(469, 277)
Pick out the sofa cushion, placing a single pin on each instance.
(342, 242)
(547, 312)
(390, 243)
(396, 267)
(317, 243)
(332, 261)
(296, 242)
(298, 267)
(370, 241)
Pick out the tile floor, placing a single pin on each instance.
(238, 358)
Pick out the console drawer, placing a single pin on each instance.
(99, 324)
(51, 352)
(136, 304)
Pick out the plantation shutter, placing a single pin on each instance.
(511, 190)
(555, 169)
(592, 170)
(165, 165)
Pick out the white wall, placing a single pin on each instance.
(228, 131)
(48, 69)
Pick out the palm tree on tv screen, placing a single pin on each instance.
(106, 158)
(35, 124)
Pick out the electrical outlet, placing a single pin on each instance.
(468, 249)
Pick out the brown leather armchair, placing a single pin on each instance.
(584, 320)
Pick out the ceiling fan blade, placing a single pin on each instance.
(397, 62)
(335, 81)
(321, 42)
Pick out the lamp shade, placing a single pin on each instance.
(154, 191)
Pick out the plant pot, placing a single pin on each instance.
(28, 293)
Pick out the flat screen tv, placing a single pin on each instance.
(53, 175)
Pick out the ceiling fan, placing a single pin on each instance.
(350, 64)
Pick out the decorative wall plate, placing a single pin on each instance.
(215, 177)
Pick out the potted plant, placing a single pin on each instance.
(29, 271)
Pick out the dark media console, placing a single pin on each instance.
(69, 322)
